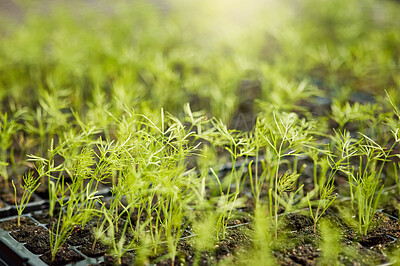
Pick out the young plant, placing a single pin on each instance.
(344, 149)
(8, 127)
(75, 211)
(118, 245)
(111, 214)
(203, 229)
(367, 180)
(238, 146)
(343, 114)
(286, 183)
(288, 136)
(47, 170)
(367, 194)
(326, 198)
(30, 184)
(325, 186)
(261, 254)
(319, 157)
(48, 120)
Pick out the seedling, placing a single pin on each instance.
(74, 212)
(288, 137)
(367, 180)
(237, 146)
(8, 127)
(326, 198)
(29, 186)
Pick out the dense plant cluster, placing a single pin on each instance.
(186, 122)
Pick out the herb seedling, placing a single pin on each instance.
(288, 137)
(7, 129)
(237, 146)
(77, 212)
(29, 186)
(366, 181)
(326, 198)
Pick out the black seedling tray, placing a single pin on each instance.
(14, 253)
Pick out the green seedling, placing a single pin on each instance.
(326, 198)
(118, 246)
(46, 169)
(288, 137)
(367, 194)
(286, 183)
(8, 127)
(237, 146)
(77, 212)
(205, 236)
(30, 184)
(367, 181)
(262, 254)
(346, 113)
(325, 185)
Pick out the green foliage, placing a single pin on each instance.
(95, 98)
(330, 244)
(29, 186)
(287, 137)
(8, 128)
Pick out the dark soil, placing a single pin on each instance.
(99, 249)
(302, 245)
(10, 225)
(83, 237)
(39, 241)
(44, 217)
(36, 239)
(303, 255)
(64, 256)
(80, 236)
(111, 261)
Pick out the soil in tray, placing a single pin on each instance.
(301, 245)
(64, 256)
(36, 240)
(44, 217)
(11, 225)
(83, 237)
(126, 260)
(296, 243)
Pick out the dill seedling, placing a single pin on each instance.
(326, 198)
(238, 146)
(77, 210)
(367, 180)
(325, 184)
(8, 127)
(261, 254)
(288, 137)
(30, 184)
(46, 170)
